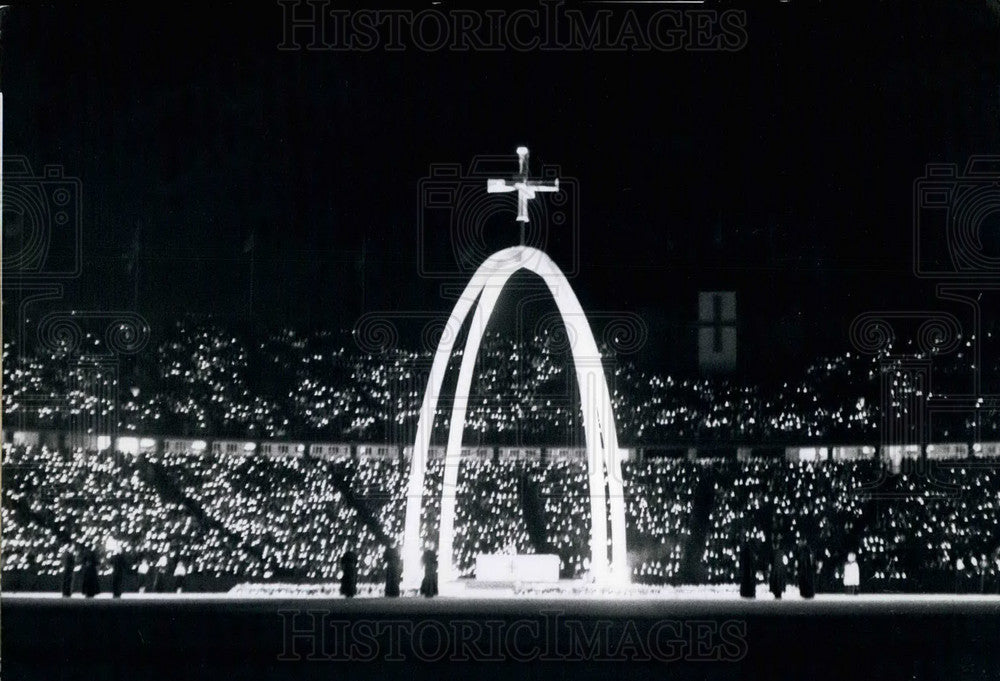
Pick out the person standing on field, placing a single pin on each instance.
(852, 575)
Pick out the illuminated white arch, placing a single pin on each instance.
(603, 455)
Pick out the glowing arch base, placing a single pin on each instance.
(598, 419)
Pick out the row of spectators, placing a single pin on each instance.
(203, 379)
(256, 518)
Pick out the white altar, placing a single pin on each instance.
(512, 568)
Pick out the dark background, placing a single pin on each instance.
(685, 639)
(783, 171)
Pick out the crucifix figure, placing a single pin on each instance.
(524, 187)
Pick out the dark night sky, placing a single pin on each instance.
(783, 171)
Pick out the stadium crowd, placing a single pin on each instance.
(205, 379)
(257, 518)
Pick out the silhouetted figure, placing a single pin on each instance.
(806, 572)
(90, 585)
(777, 580)
(349, 574)
(429, 586)
(995, 588)
(748, 575)
(69, 564)
(118, 568)
(31, 571)
(393, 572)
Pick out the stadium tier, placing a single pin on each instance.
(267, 456)
(206, 382)
(253, 518)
